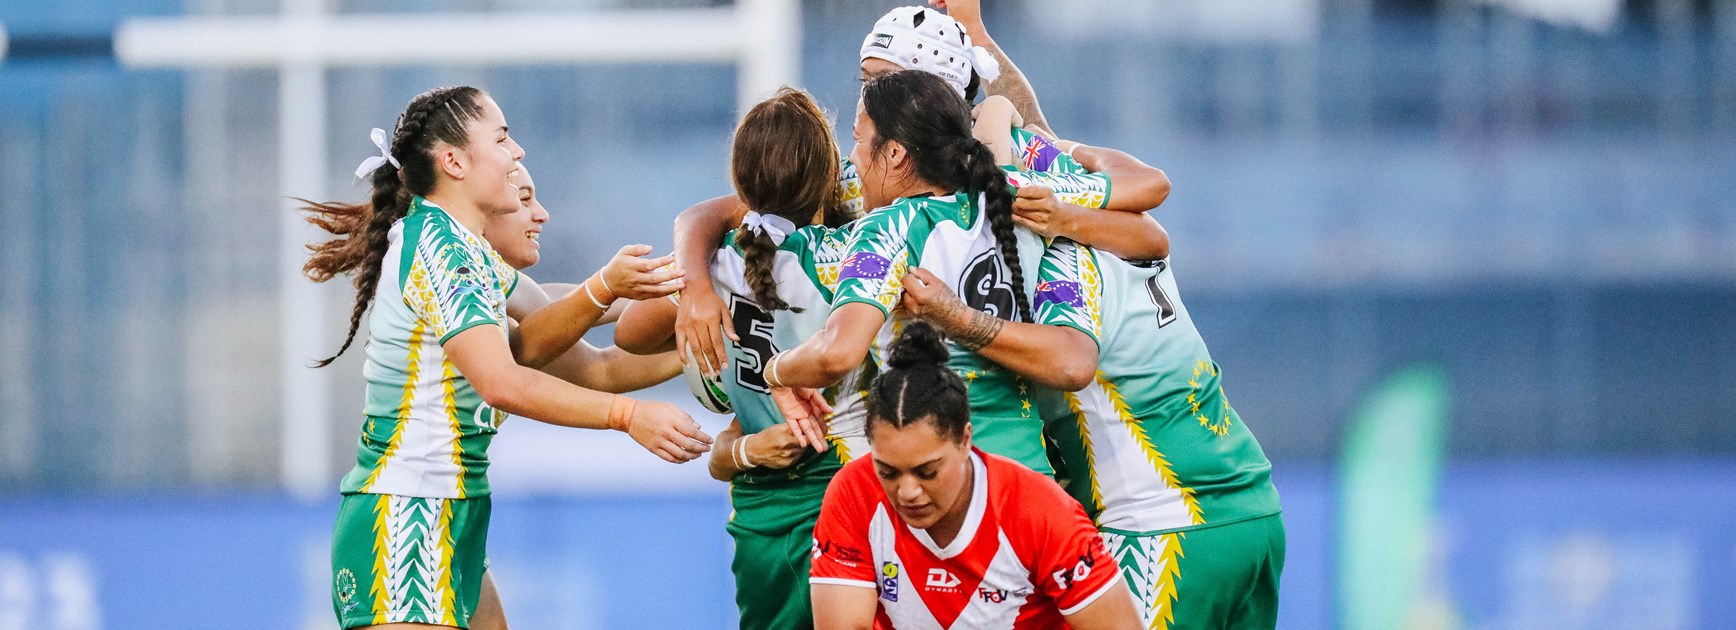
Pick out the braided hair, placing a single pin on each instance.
(783, 163)
(923, 113)
(918, 386)
(438, 115)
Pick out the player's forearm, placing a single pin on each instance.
(553, 329)
(722, 464)
(1126, 235)
(831, 354)
(646, 327)
(542, 397)
(1135, 185)
(1053, 356)
(699, 231)
(1012, 83)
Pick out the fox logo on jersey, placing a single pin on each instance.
(1065, 578)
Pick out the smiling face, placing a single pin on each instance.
(491, 162)
(514, 235)
(876, 168)
(926, 475)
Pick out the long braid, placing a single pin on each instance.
(362, 248)
(759, 255)
(987, 179)
(783, 163)
(923, 113)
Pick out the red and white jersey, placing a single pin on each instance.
(1025, 557)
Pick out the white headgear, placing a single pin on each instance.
(919, 38)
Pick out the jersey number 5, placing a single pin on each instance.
(754, 326)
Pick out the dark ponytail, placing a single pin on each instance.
(917, 385)
(435, 115)
(923, 113)
(783, 163)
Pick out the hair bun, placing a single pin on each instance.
(920, 344)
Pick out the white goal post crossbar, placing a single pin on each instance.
(761, 38)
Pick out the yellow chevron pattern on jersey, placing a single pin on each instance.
(414, 367)
(450, 398)
(1090, 452)
(1158, 461)
(1151, 566)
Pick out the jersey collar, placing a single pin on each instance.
(973, 518)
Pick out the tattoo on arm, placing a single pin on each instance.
(979, 331)
(1013, 85)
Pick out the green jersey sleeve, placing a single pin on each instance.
(1090, 190)
(1033, 152)
(850, 189)
(876, 257)
(1069, 289)
(446, 286)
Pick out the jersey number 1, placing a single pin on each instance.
(1159, 297)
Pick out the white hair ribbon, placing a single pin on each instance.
(987, 67)
(773, 226)
(385, 157)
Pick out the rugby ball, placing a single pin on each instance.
(707, 389)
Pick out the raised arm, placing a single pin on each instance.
(547, 333)
(703, 320)
(1012, 83)
(774, 448)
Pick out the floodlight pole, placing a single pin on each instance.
(761, 37)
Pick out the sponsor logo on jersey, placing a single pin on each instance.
(1066, 578)
(843, 554)
(1060, 292)
(889, 581)
(992, 595)
(865, 265)
(942, 578)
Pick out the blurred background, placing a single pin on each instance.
(1469, 267)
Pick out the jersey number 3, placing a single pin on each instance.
(754, 326)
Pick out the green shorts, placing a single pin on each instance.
(1224, 576)
(773, 528)
(408, 559)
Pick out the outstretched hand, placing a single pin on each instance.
(632, 276)
(667, 431)
(967, 12)
(806, 411)
(701, 322)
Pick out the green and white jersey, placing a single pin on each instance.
(1037, 161)
(806, 269)
(1152, 445)
(427, 430)
(949, 236)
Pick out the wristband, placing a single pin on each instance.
(742, 461)
(607, 296)
(772, 377)
(621, 412)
